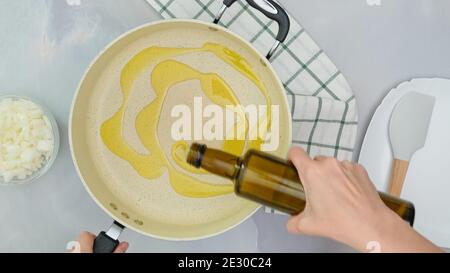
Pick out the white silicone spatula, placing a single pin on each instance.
(408, 130)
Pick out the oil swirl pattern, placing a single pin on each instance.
(167, 73)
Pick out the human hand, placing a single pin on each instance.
(86, 240)
(344, 205)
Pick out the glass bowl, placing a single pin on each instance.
(47, 164)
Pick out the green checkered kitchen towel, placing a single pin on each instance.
(323, 106)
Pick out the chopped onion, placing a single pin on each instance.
(26, 139)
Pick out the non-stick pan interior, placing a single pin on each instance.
(151, 206)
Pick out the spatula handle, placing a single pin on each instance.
(398, 175)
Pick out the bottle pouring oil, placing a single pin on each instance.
(269, 180)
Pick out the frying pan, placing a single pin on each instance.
(153, 208)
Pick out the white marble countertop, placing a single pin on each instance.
(46, 45)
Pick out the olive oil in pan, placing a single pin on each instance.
(269, 180)
(166, 74)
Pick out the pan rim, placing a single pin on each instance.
(88, 70)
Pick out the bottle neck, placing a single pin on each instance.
(214, 161)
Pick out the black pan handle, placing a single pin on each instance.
(272, 10)
(226, 4)
(107, 242)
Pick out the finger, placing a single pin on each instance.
(320, 158)
(348, 165)
(299, 157)
(355, 169)
(349, 170)
(86, 241)
(361, 168)
(292, 224)
(299, 223)
(122, 247)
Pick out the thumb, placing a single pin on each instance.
(122, 247)
(295, 224)
(303, 223)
